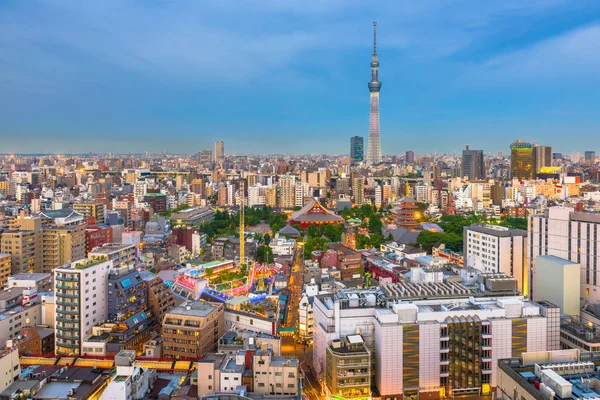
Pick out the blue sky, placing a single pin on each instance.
(291, 76)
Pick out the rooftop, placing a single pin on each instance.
(29, 276)
(194, 309)
(495, 230)
(111, 248)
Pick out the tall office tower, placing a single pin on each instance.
(590, 156)
(357, 146)
(542, 157)
(573, 236)
(219, 152)
(374, 150)
(521, 160)
(410, 156)
(287, 193)
(472, 164)
(205, 157)
(80, 291)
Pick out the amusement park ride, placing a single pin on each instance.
(211, 280)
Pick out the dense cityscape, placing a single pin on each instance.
(216, 275)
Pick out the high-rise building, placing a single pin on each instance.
(357, 146)
(25, 247)
(496, 249)
(24, 244)
(374, 149)
(358, 190)
(410, 156)
(542, 156)
(590, 156)
(5, 268)
(80, 292)
(521, 160)
(62, 245)
(219, 152)
(96, 210)
(287, 193)
(205, 157)
(472, 164)
(573, 236)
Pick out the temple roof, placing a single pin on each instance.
(315, 212)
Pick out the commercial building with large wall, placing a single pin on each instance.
(497, 249)
(557, 280)
(434, 345)
(193, 216)
(573, 236)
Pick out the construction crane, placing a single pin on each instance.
(242, 238)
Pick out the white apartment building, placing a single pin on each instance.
(231, 194)
(423, 193)
(574, 236)
(231, 373)
(257, 195)
(274, 375)
(378, 196)
(282, 246)
(301, 192)
(287, 193)
(497, 249)
(415, 340)
(81, 292)
(10, 368)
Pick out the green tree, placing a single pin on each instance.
(313, 231)
(333, 232)
(375, 224)
(267, 239)
(264, 254)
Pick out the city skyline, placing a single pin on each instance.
(492, 74)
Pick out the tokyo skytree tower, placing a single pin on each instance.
(374, 150)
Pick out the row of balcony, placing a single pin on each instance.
(68, 303)
(67, 328)
(353, 363)
(67, 278)
(68, 337)
(69, 295)
(65, 311)
(67, 287)
(66, 345)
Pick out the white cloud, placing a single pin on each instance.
(572, 56)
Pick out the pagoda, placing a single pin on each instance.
(405, 214)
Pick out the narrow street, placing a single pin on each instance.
(289, 344)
